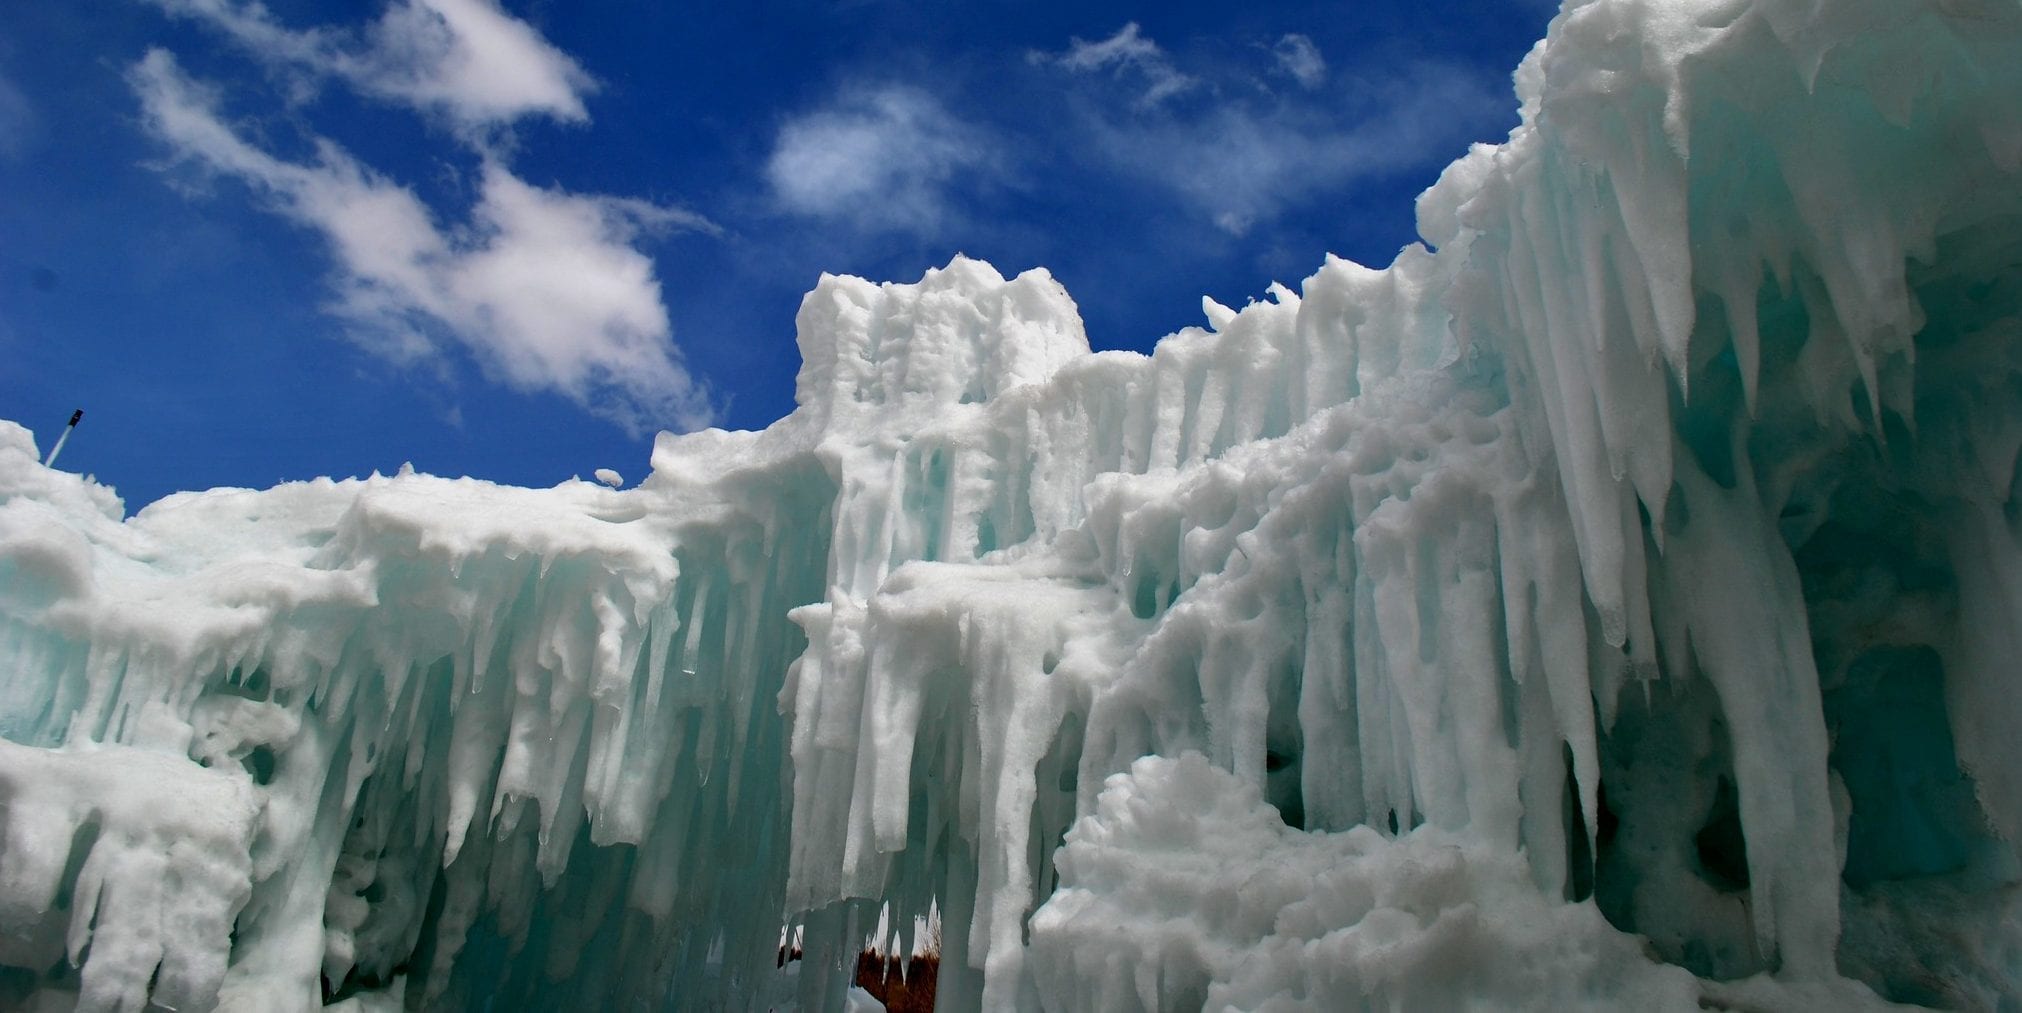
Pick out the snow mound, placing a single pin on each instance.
(1185, 890)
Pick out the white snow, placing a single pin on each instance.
(1184, 890)
(1613, 603)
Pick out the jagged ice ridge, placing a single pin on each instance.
(1616, 601)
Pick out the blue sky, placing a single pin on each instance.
(261, 243)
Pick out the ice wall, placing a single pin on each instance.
(1615, 602)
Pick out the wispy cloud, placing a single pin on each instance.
(1300, 59)
(18, 122)
(543, 287)
(1238, 152)
(879, 159)
(466, 60)
(1127, 53)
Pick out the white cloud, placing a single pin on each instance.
(880, 159)
(464, 59)
(1238, 153)
(543, 287)
(1240, 164)
(1300, 58)
(1128, 51)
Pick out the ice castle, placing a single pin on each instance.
(1616, 602)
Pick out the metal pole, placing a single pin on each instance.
(58, 449)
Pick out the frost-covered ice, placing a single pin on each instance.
(1149, 913)
(1617, 602)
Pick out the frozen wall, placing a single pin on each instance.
(1616, 603)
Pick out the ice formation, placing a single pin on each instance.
(1615, 602)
